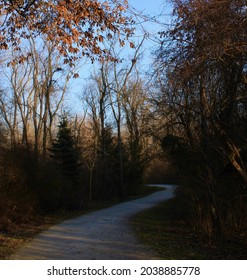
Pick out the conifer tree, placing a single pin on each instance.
(64, 151)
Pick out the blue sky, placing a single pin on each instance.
(159, 9)
(151, 7)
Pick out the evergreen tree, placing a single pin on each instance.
(66, 156)
(65, 153)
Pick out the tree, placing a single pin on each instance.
(202, 73)
(48, 90)
(99, 152)
(210, 38)
(32, 95)
(65, 152)
(66, 156)
(115, 86)
(75, 27)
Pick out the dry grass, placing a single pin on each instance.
(175, 240)
(170, 239)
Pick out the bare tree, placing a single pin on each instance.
(202, 76)
(50, 82)
(113, 79)
(33, 95)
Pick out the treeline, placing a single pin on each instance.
(201, 72)
(54, 159)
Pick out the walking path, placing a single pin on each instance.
(102, 235)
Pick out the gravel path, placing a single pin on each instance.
(102, 235)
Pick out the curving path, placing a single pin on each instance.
(103, 235)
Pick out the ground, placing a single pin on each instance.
(103, 234)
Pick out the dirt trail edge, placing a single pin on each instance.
(101, 235)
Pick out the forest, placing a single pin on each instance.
(181, 121)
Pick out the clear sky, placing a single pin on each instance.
(157, 9)
(151, 7)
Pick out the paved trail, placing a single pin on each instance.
(102, 235)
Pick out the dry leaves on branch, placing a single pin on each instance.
(76, 27)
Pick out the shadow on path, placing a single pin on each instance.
(103, 235)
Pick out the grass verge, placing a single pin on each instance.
(172, 239)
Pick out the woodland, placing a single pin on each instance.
(181, 121)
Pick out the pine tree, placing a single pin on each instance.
(65, 153)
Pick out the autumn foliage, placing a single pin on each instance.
(76, 27)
